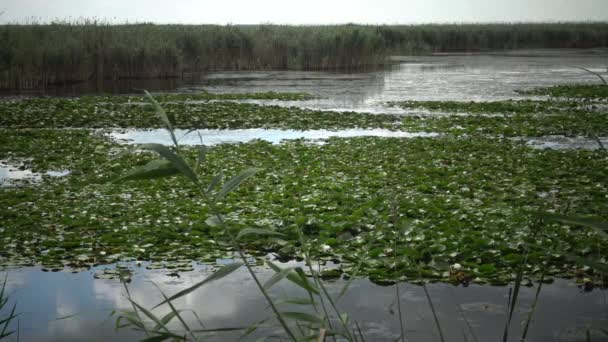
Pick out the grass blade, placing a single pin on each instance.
(428, 297)
(150, 315)
(252, 328)
(162, 114)
(302, 317)
(175, 312)
(175, 159)
(215, 181)
(533, 309)
(222, 272)
(297, 277)
(154, 169)
(236, 181)
(277, 277)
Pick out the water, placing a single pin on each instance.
(11, 174)
(275, 136)
(460, 77)
(556, 142)
(73, 307)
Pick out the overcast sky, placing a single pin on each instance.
(305, 11)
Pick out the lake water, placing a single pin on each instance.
(58, 306)
(275, 136)
(474, 77)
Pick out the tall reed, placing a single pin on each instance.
(37, 55)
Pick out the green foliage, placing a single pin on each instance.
(36, 55)
(517, 118)
(572, 91)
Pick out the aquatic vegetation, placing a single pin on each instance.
(528, 118)
(508, 107)
(172, 164)
(38, 55)
(461, 194)
(572, 91)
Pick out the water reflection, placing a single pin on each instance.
(471, 77)
(275, 136)
(457, 77)
(11, 174)
(563, 314)
(556, 142)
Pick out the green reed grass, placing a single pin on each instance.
(36, 55)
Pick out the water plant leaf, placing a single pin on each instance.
(256, 231)
(236, 181)
(213, 221)
(157, 168)
(601, 226)
(175, 159)
(222, 272)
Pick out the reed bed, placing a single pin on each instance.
(37, 55)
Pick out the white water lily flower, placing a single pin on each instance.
(325, 248)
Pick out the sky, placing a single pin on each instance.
(304, 11)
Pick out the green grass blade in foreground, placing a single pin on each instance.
(296, 277)
(154, 169)
(302, 317)
(236, 181)
(6, 320)
(513, 301)
(592, 73)
(162, 114)
(252, 328)
(534, 305)
(215, 181)
(222, 272)
(277, 277)
(174, 158)
(161, 337)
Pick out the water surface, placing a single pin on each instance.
(275, 136)
(74, 307)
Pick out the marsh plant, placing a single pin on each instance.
(37, 55)
(320, 317)
(323, 319)
(7, 312)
